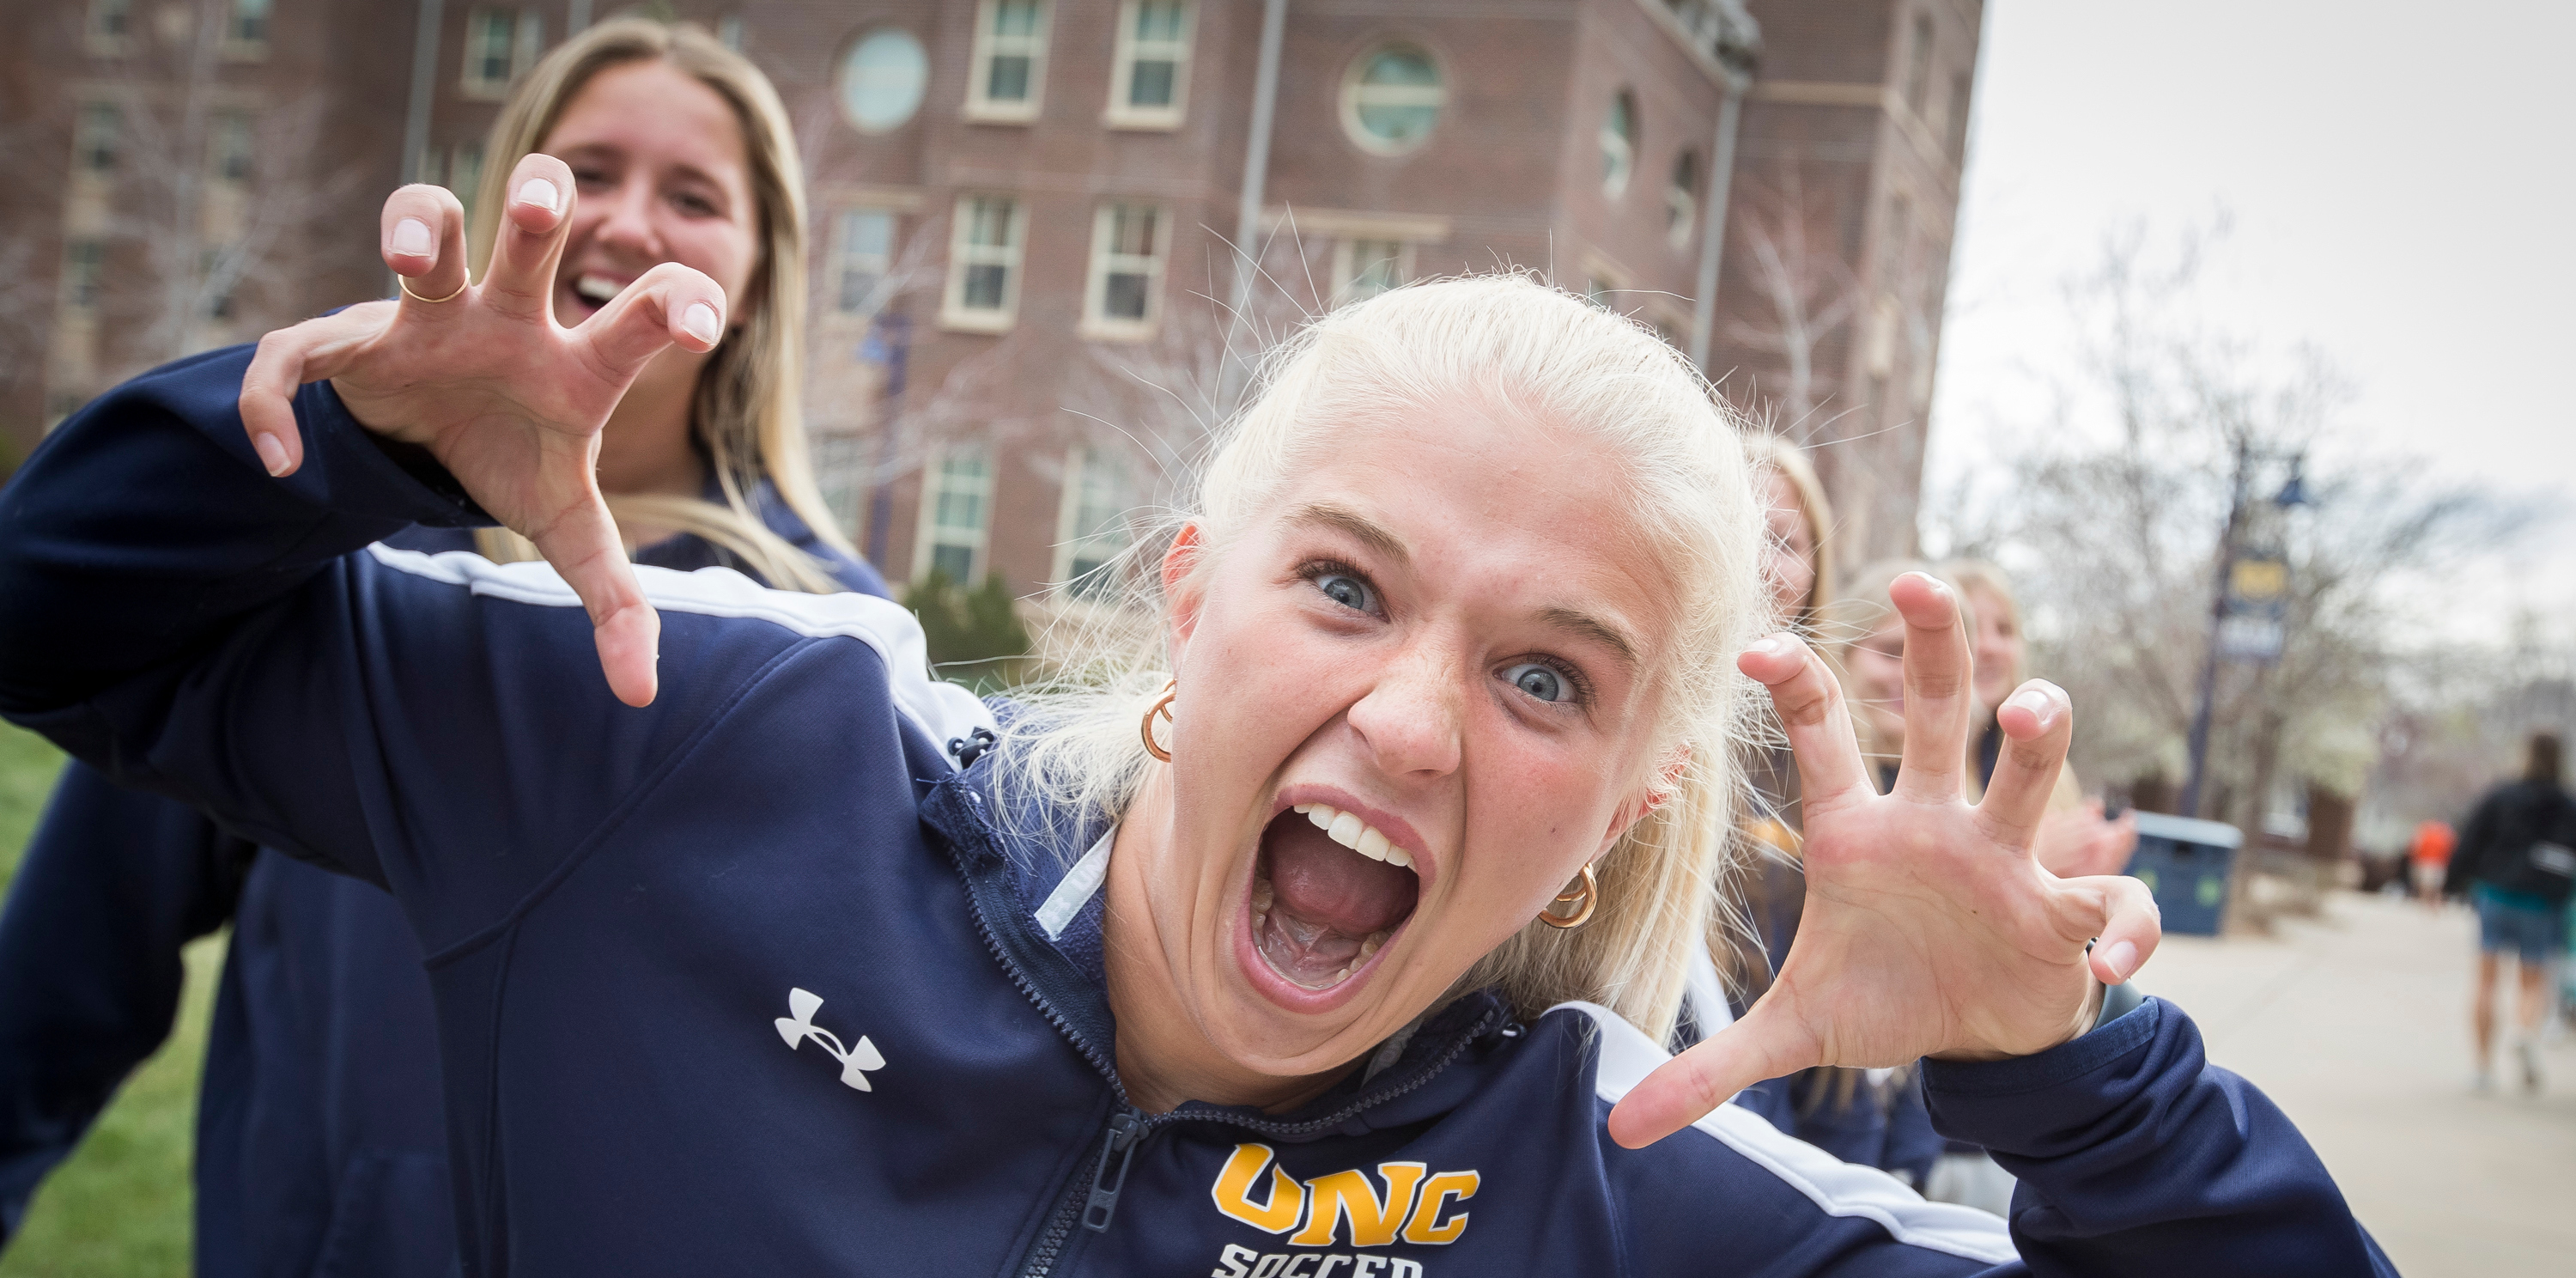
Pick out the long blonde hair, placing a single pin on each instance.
(1769, 450)
(1521, 347)
(745, 411)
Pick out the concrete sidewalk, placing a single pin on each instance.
(2357, 1025)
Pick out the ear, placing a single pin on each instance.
(1646, 798)
(1180, 587)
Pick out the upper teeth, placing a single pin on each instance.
(598, 288)
(1347, 829)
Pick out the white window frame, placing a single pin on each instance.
(1097, 322)
(1619, 150)
(223, 129)
(1347, 264)
(90, 120)
(928, 536)
(1681, 201)
(232, 45)
(1070, 537)
(1437, 98)
(984, 109)
(479, 22)
(843, 255)
(1122, 113)
(953, 312)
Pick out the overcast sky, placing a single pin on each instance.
(2401, 184)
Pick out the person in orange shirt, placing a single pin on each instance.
(2431, 856)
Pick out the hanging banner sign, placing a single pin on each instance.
(2258, 603)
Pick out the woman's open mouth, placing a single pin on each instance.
(1328, 891)
(592, 291)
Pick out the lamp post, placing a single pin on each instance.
(2249, 610)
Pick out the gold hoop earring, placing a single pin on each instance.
(1589, 894)
(1161, 709)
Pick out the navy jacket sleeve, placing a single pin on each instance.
(194, 627)
(113, 884)
(2137, 1156)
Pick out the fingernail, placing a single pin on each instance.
(539, 192)
(2121, 958)
(411, 237)
(272, 454)
(700, 319)
(2035, 701)
(1775, 645)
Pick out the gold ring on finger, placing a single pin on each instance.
(405, 286)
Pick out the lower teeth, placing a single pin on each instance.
(1263, 897)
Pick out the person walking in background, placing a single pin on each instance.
(2429, 856)
(321, 1139)
(2516, 863)
(2076, 839)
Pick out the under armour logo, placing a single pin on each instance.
(856, 1059)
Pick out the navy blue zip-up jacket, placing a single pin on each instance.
(320, 1148)
(755, 980)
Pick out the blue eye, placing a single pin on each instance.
(1541, 682)
(1349, 592)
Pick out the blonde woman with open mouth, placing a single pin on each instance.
(1332, 936)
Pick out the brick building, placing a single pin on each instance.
(1024, 210)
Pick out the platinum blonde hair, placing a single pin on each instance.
(1512, 346)
(745, 410)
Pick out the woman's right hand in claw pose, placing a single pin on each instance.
(510, 402)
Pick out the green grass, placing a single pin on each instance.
(119, 1207)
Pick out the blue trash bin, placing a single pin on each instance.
(2185, 863)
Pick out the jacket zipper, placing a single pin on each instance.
(1095, 1204)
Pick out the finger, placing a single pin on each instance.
(2120, 914)
(422, 238)
(1681, 1091)
(529, 242)
(1937, 667)
(582, 544)
(285, 360)
(1817, 719)
(670, 304)
(2038, 720)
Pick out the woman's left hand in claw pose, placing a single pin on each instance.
(1929, 927)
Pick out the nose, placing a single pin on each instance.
(626, 223)
(1411, 720)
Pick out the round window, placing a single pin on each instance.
(1390, 98)
(881, 80)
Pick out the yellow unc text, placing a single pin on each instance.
(1418, 1205)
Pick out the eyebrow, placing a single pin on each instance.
(1594, 629)
(1358, 527)
(1378, 537)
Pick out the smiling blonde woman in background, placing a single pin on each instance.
(1344, 947)
(321, 1139)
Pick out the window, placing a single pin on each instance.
(882, 77)
(984, 263)
(1618, 143)
(465, 174)
(1009, 70)
(1918, 67)
(1681, 199)
(956, 501)
(219, 288)
(84, 266)
(228, 147)
(246, 29)
(1150, 84)
(1390, 98)
(1364, 268)
(1091, 522)
(729, 31)
(95, 139)
(1122, 297)
(499, 45)
(110, 23)
(862, 253)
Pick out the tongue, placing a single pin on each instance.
(1326, 885)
